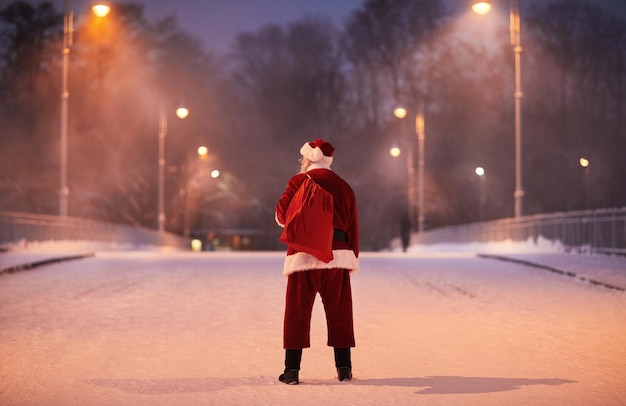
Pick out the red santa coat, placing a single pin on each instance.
(345, 217)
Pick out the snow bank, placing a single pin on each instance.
(536, 246)
(64, 246)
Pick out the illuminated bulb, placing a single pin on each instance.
(400, 112)
(215, 173)
(182, 112)
(584, 162)
(101, 9)
(203, 151)
(480, 171)
(196, 245)
(395, 152)
(481, 7)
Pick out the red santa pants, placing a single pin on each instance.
(334, 288)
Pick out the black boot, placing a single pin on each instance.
(289, 377)
(292, 367)
(343, 364)
(344, 374)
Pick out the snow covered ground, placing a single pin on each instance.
(433, 326)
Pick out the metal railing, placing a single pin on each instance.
(592, 231)
(16, 227)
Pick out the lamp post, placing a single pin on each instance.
(402, 112)
(480, 171)
(100, 10)
(584, 163)
(483, 7)
(195, 173)
(419, 130)
(182, 113)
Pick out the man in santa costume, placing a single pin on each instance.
(307, 275)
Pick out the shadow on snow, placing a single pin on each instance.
(430, 385)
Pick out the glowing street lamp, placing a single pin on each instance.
(196, 171)
(395, 151)
(182, 113)
(402, 112)
(68, 31)
(101, 9)
(203, 152)
(480, 171)
(584, 163)
(482, 7)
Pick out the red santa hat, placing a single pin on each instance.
(318, 151)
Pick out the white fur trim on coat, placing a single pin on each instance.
(278, 222)
(302, 261)
(323, 164)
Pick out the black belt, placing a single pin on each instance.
(340, 235)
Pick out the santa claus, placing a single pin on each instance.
(308, 275)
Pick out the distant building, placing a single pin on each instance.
(231, 239)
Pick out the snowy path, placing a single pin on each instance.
(145, 328)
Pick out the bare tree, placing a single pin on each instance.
(26, 89)
(576, 98)
(290, 89)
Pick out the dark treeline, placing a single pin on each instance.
(284, 84)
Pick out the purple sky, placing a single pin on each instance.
(217, 22)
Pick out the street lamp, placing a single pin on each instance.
(402, 112)
(182, 113)
(196, 178)
(584, 163)
(483, 7)
(100, 10)
(480, 171)
(395, 151)
(203, 152)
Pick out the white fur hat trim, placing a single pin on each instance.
(310, 153)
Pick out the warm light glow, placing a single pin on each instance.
(203, 151)
(480, 171)
(584, 162)
(182, 112)
(395, 152)
(196, 245)
(400, 112)
(215, 173)
(481, 7)
(101, 9)
(419, 124)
